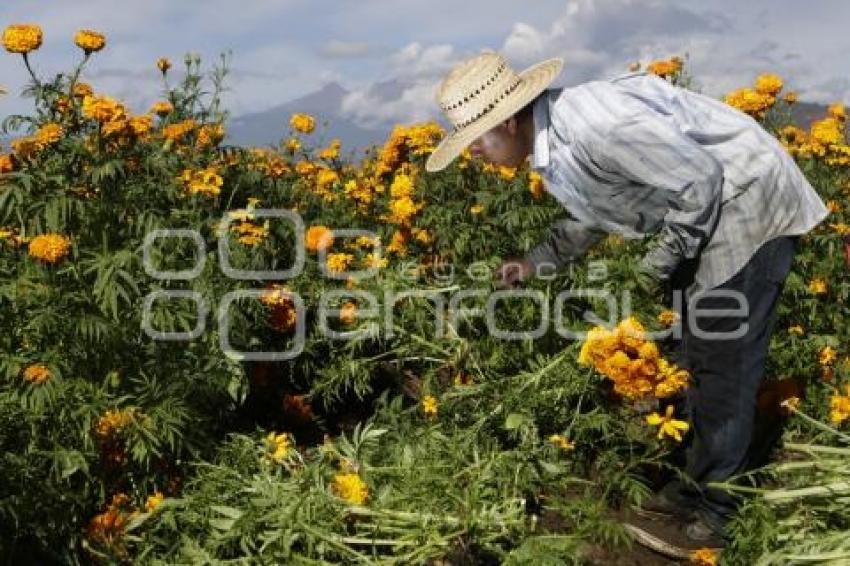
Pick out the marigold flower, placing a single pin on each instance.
(90, 41)
(81, 90)
(163, 65)
(49, 248)
(177, 131)
(817, 286)
(348, 313)
(350, 487)
(278, 447)
(750, 101)
(318, 238)
(769, 84)
(339, 262)
(668, 317)
(373, 260)
(103, 109)
(332, 151)
(667, 425)
(154, 501)
(790, 97)
(205, 181)
(666, 68)
(476, 209)
(37, 373)
(49, 133)
(6, 164)
(561, 442)
(162, 108)
(429, 406)
(837, 111)
(303, 123)
(840, 406)
(401, 187)
(22, 38)
(703, 557)
(796, 330)
(112, 421)
(535, 185)
(827, 355)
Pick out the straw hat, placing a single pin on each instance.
(481, 92)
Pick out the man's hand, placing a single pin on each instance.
(512, 272)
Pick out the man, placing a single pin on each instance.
(637, 156)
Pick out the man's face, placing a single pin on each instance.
(501, 145)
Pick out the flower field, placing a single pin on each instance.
(306, 372)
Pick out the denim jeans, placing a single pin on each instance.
(720, 401)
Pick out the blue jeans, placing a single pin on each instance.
(720, 401)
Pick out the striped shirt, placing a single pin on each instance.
(637, 156)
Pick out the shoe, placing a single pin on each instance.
(668, 502)
(702, 532)
(676, 539)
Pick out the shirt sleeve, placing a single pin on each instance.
(567, 241)
(653, 152)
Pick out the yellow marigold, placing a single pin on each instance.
(248, 233)
(402, 186)
(278, 447)
(49, 133)
(829, 131)
(37, 373)
(668, 317)
(422, 236)
(841, 228)
(26, 147)
(22, 38)
(350, 487)
(403, 210)
(81, 90)
(292, 145)
(667, 425)
(817, 286)
(205, 181)
(476, 209)
(339, 262)
(796, 330)
(89, 40)
(6, 164)
(827, 355)
(325, 180)
(49, 248)
(703, 557)
(750, 101)
(154, 501)
(398, 243)
(507, 173)
(303, 123)
(769, 84)
(318, 238)
(163, 65)
(162, 108)
(839, 406)
(373, 260)
(177, 131)
(833, 206)
(561, 442)
(348, 313)
(103, 109)
(665, 68)
(535, 185)
(790, 97)
(112, 421)
(332, 151)
(837, 111)
(210, 135)
(429, 406)
(140, 125)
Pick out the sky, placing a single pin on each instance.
(284, 49)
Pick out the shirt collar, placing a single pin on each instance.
(541, 131)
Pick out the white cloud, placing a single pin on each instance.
(345, 49)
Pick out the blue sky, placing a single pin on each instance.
(284, 49)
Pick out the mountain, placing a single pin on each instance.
(272, 125)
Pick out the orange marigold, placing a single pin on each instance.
(49, 248)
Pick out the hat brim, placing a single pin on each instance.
(534, 80)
